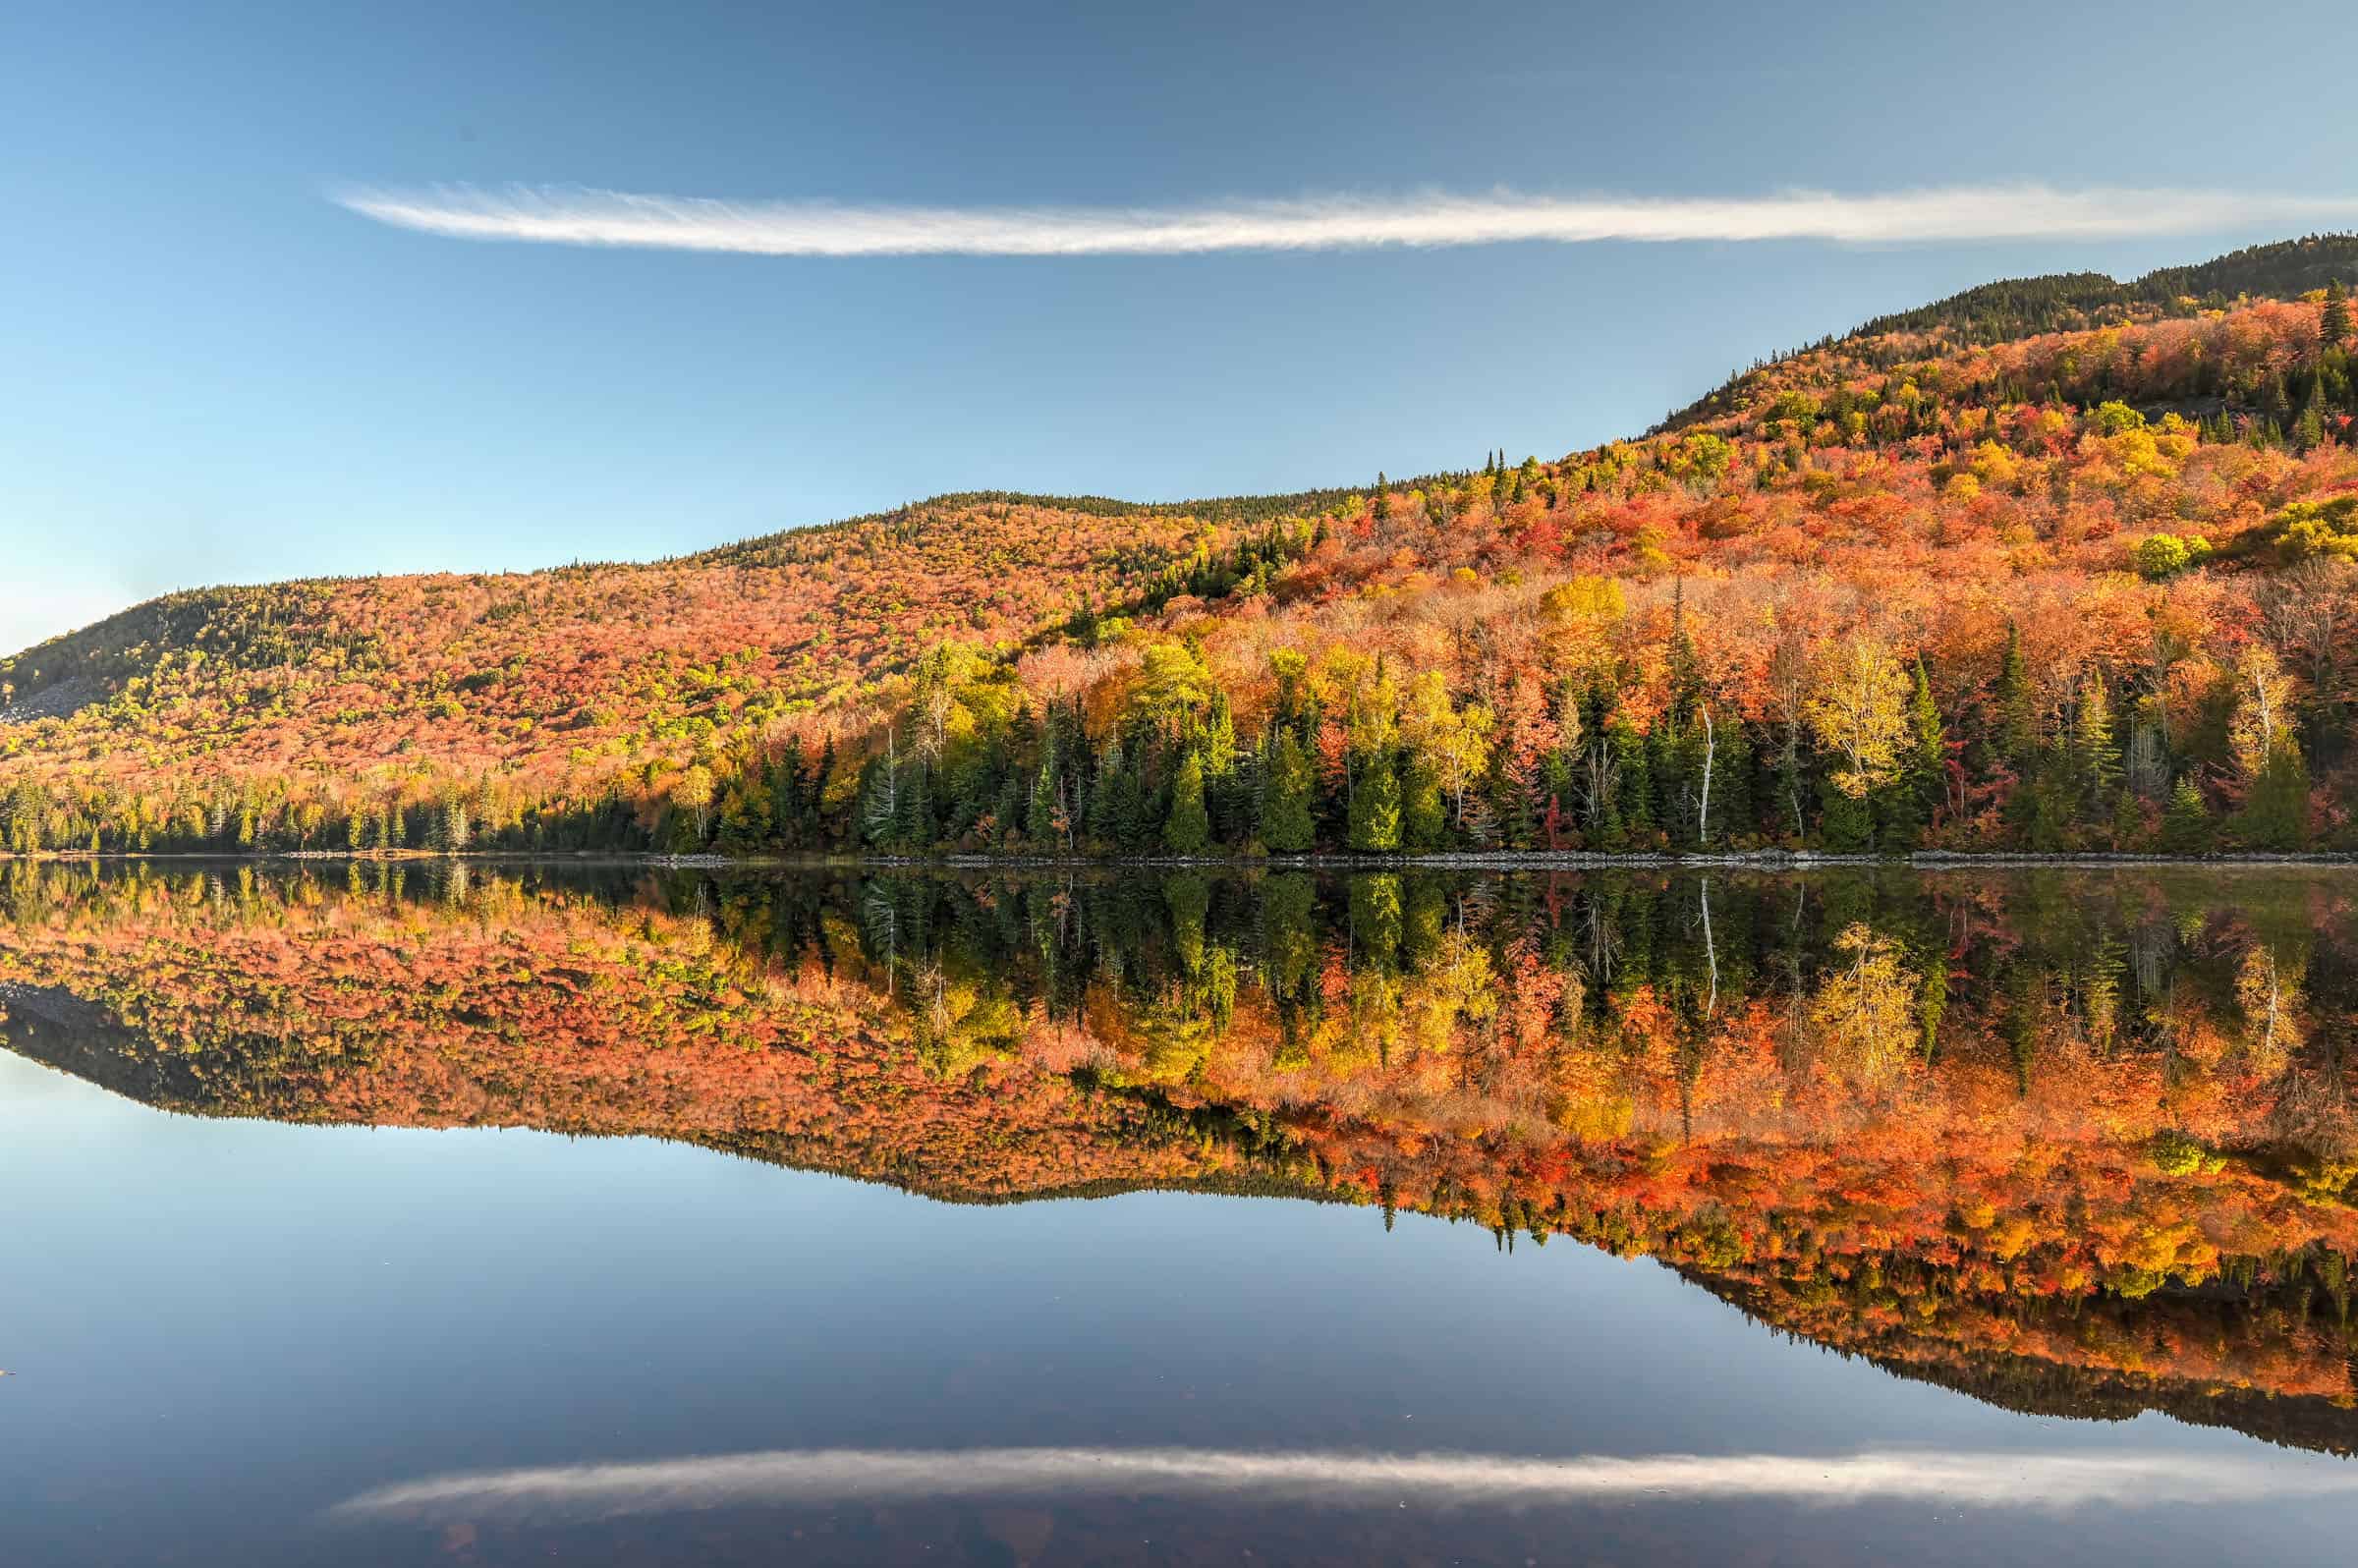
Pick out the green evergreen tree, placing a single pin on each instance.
(2128, 821)
(1904, 807)
(1845, 822)
(1138, 809)
(2333, 323)
(2186, 824)
(2309, 430)
(2042, 807)
(813, 794)
(1104, 802)
(1007, 807)
(1375, 815)
(912, 817)
(1423, 813)
(2097, 749)
(1788, 803)
(1227, 787)
(1928, 741)
(1188, 831)
(1686, 665)
(1633, 800)
(1039, 817)
(1287, 784)
(1732, 769)
(2275, 814)
(2017, 722)
(786, 796)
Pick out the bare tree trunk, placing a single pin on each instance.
(1702, 821)
(1710, 953)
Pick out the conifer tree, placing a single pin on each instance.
(2186, 824)
(786, 795)
(1633, 800)
(1686, 665)
(2309, 430)
(1928, 754)
(1423, 813)
(2275, 814)
(1374, 816)
(1845, 822)
(2128, 821)
(2017, 723)
(2097, 749)
(1732, 768)
(1041, 817)
(2333, 325)
(1189, 828)
(1105, 803)
(1286, 827)
(912, 821)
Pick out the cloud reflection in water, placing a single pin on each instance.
(827, 1476)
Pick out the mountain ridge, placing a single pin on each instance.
(2148, 519)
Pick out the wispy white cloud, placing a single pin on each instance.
(580, 215)
(1993, 1480)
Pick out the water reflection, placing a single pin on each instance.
(2071, 1143)
(2052, 1482)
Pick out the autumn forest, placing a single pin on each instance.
(2060, 566)
(2074, 1142)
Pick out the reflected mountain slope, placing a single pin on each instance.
(2075, 1142)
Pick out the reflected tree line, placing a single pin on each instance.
(2069, 1139)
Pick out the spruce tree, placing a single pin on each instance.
(1424, 815)
(2097, 749)
(2333, 325)
(1189, 828)
(1686, 665)
(2017, 723)
(2128, 821)
(813, 794)
(912, 815)
(786, 795)
(1635, 798)
(1732, 767)
(1845, 822)
(1286, 827)
(2186, 824)
(1374, 826)
(1104, 805)
(2309, 430)
(1923, 766)
(1007, 808)
(1040, 817)
(2275, 816)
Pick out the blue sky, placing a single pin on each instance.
(215, 373)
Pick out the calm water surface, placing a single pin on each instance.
(533, 1216)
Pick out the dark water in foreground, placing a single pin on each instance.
(1608, 1218)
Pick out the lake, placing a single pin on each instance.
(388, 1213)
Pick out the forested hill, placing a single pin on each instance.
(2061, 565)
(2014, 307)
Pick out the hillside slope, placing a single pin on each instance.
(2059, 564)
(2081, 1144)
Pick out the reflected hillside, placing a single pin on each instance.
(2071, 1141)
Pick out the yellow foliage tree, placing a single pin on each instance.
(1860, 712)
(1865, 1011)
(2263, 709)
